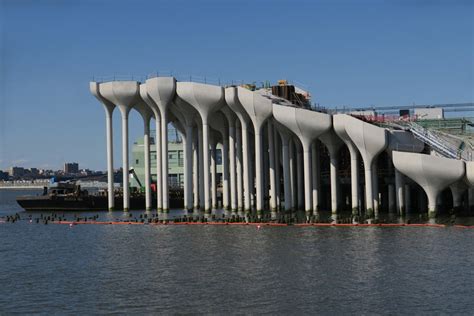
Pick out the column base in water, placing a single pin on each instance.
(165, 210)
(432, 213)
(148, 209)
(125, 209)
(111, 209)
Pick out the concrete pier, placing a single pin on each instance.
(266, 141)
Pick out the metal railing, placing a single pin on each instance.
(437, 143)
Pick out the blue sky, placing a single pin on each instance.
(355, 53)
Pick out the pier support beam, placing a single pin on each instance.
(316, 176)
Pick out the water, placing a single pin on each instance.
(144, 269)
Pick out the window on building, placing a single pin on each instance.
(136, 161)
(180, 158)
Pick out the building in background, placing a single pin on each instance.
(16, 172)
(175, 160)
(71, 168)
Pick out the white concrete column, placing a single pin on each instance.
(291, 150)
(308, 205)
(369, 201)
(110, 159)
(334, 182)
(188, 167)
(286, 174)
(146, 143)
(164, 159)
(375, 186)
(201, 168)
(246, 167)
(196, 172)
(225, 171)
(315, 172)
(213, 176)
(159, 185)
(354, 179)
(251, 161)
(125, 163)
(300, 176)
(400, 194)
(271, 154)
(240, 196)
(277, 151)
(205, 140)
(258, 171)
(232, 167)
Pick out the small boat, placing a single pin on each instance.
(66, 196)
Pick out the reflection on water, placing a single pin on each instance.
(145, 269)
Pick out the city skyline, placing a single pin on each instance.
(48, 62)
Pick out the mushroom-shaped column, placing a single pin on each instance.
(230, 116)
(340, 129)
(371, 141)
(156, 112)
(333, 143)
(123, 94)
(205, 99)
(307, 125)
(285, 136)
(219, 123)
(109, 109)
(402, 141)
(432, 173)
(187, 115)
(259, 109)
(146, 114)
(232, 100)
(162, 91)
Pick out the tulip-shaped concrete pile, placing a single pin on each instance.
(109, 109)
(339, 124)
(124, 94)
(307, 125)
(259, 109)
(232, 100)
(162, 91)
(432, 173)
(371, 141)
(156, 113)
(146, 114)
(205, 99)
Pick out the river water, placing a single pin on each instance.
(169, 269)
